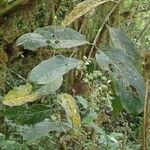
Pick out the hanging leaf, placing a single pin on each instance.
(50, 88)
(81, 9)
(39, 130)
(121, 41)
(129, 83)
(51, 69)
(31, 41)
(19, 95)
(61, 37)
(42, 129)
(71, 108)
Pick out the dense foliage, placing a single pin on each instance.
(85, 95)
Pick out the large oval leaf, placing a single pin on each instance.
(42, 129)
(121, 41)
(31, 41)
(61, 37)
(39, 129)
(52, 69)
(129, 83)
(81, 9)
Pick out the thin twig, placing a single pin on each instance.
(10, 70)
(102, 26)
(129, 131)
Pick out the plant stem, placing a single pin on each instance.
(146, 123)
(125, 137)
(102, 26)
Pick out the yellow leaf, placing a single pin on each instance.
(71, 108)
(19, 95)
(81, 9)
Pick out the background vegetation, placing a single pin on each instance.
(87, 97)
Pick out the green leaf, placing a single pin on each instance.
(129, 84)
(116, 104)
(61, 37)
(51, 69)
(13, 113)
(2, 139)
(50, 88)
(42, 129)
(82, 101)
(121, 41)
(31, 115)
(31, 41)
(91, 116)
(53, 36)
(11, 145)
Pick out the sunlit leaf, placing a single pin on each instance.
(81, 9)
(129, 84)
(18, 95)
(51, 69)
(23, 94)
(61, 37)
(31, 41)
(121, 41)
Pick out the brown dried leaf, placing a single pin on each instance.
(81, 9)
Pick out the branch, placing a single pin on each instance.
(146, 124)
(12, 6)
(102, 26)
